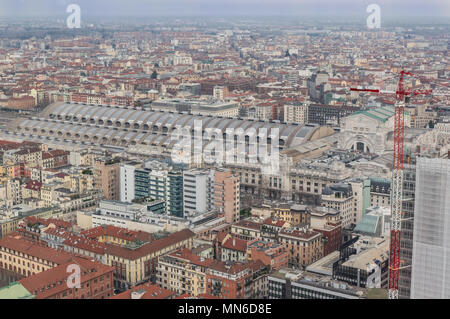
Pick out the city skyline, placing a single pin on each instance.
(251, 151)
(171, 8)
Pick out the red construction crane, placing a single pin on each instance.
(397, 178)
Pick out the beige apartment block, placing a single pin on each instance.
(106, 177)
(226, 194)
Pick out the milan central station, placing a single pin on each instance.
(72, 123)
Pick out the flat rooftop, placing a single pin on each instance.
(369, 256)
(319, 281)
(324, 266)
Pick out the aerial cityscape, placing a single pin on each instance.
(224, 149)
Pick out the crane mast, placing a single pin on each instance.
(397, 187)
(397, 190)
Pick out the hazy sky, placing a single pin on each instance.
(224, 7)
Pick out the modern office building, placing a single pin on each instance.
(120, 209)
(431, 242)
(328, 114)
(158, 185)
(174, 201)
(406, 240)
(142, 183)
(367, 268)
(137, 182)
(294, 284)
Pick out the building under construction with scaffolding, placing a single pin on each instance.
(431, 242)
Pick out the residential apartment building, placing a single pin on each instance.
(227, 195)
(246, 229)
(296, 113)
(233, 249)
(340, 197)
(14, 191)
(11, 221)
(327, 221)
(106, 177)
(293, 214)
(271, 228)
(228, 281)
(96, 281)
(134, 266)
(183, 272)
(174, 201)
(26, 258)
(273, 255)
(29, 155)
(127, 182)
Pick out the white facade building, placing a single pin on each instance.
(296, 113)
(198, 189)
(126, 182)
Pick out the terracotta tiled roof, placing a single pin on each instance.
(54, 281)
(256, 265)
(274, 222)
(149, 248)
(58, 232)
(34, 185)
(85, 244)
(249, 224)
(235, 244)
(57, 222)
(201, 296)
(18, 243)
(233, 269)
(299, 233)
(117, 232)
(187, 254)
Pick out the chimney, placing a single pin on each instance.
(234, 242)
